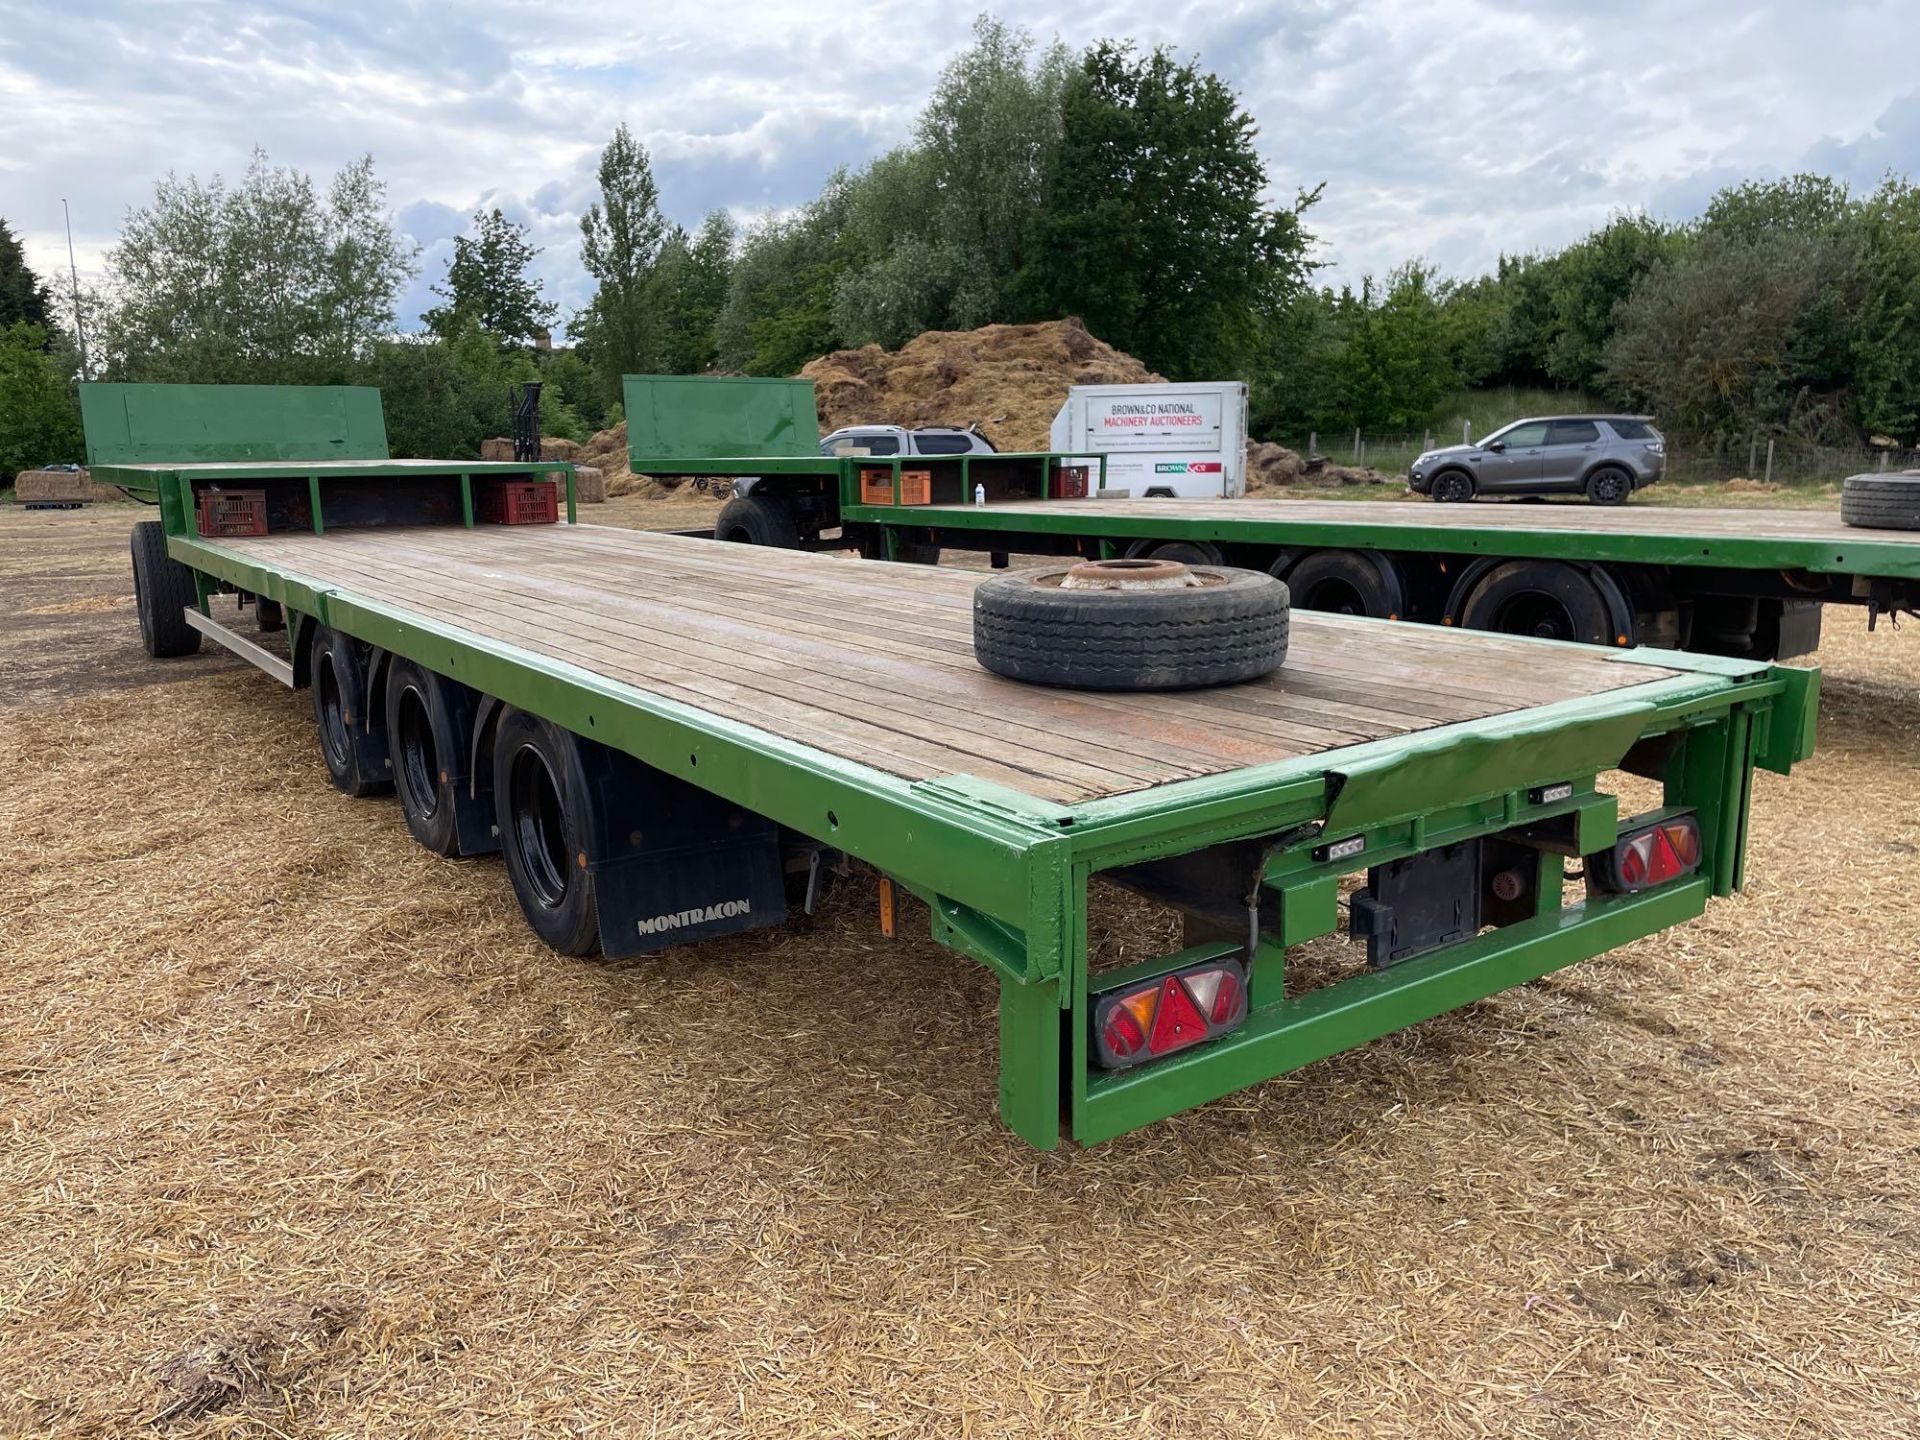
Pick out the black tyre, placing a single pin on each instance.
(538, 791)
(1183, 552)
(162, 591)
(1609, 485)
(758, 520)
(1229, 627)
(1347, 582)
(1881, 502)
(353, 749)
(1452, 487)
(1543, 598)
(421, 747)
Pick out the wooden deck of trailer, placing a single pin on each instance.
(874, 662)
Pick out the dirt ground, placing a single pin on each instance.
(305, 1136)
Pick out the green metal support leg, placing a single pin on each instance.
(1711, 774)
(1030, 1021)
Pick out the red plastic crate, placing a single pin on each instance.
(232, 512)
(516, 502)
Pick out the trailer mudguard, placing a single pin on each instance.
(671, 863)
(456, 711)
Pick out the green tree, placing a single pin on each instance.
(487, 282)
(39, 423)
(1761, 210)
(779, 310)
(265, 281)
(1590, 280)
(896, 273)
(1395, 365)
(1470, 315)
(690, 289)
(1886, 330)
(621, 237)
(948, 223)
(443, 397)
(571, 381)
(1707, 341)
(1156, 234)
(22, 295)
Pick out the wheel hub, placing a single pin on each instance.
(1130, 575)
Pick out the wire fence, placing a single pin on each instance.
(1775, 459)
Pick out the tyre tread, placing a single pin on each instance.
(1140, 641)
(163, 589)
(1881, 502)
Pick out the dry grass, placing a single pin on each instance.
(1010, 380)
(306, 1137)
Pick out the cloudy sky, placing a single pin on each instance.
(1452, 129)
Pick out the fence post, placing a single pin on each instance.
(1769, 460)
(1753, 453)
(1313, 443)
(1356, 444)
(1427, 443)
(1466, 432)
(1883, 462)
(1363, 454)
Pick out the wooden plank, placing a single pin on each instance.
(1513, 667)
(874, 662)
(791, 692)
(1360, 647)
(1289, 718)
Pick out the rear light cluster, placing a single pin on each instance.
(1652, 855)
(1168, 1013)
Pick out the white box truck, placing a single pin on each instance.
(1185, 440)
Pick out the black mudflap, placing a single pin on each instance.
(671, 863)
(473, 815)
(456, 710)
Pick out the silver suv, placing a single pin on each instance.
(898, 440)
(1604, 457)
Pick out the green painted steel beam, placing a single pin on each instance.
(154, 477)
(1863, 556)
(1791, 728)
(1310, 1027)
(1432, 767)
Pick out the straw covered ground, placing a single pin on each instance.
(304, 1136)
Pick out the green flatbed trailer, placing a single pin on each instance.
(670, 739)
(1746, 583)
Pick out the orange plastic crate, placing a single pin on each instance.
(876, 486)
(232, 512)
(516, 502)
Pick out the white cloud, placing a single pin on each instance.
(1453, 129)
